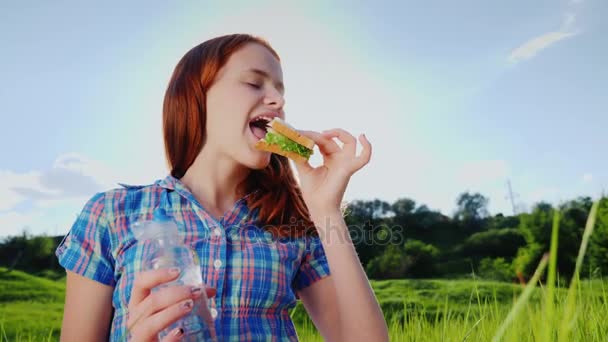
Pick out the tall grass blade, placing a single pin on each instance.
(522, 300)
(466, 336)
(550, 293)
(570, 310)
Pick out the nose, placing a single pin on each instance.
(275, 99)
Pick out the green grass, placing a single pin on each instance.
(415, 310)
(30, 307)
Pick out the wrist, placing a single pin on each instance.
(331, 227)
(323, 213)
(327, 219)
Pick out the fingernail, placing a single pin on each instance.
(187, 305)
(174, 271)
(196, 291)
(212, 292)
(178, 332)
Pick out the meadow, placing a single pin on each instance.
(415, 310)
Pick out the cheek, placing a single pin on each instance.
(228, 114)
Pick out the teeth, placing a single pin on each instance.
(265, 118)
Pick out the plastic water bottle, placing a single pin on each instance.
(164, 248)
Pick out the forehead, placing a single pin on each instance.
(254, 56)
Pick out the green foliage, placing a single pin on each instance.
(496, 269)
(380, 230)
(494, 243)
(471, 207)
(527, 258)
(416, 259)
(536, 229)
(598, 247)
(421, 259)
(29, 253)
(392, 264)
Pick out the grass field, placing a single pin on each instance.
(416, 310)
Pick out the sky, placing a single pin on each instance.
(454, 95)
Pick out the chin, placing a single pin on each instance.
(257, 161)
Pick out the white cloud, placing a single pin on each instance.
(8, 197)
(50, 221)
(532, 47)
(587, 178)
(47, 201)
(71, 176)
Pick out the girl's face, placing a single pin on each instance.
(249, 85)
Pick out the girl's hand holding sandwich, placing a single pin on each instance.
(323, 186)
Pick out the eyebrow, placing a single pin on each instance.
(263, 73)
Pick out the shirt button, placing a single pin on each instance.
(217, 232)
(217, 263)
(213, 313)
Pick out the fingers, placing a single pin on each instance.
(162, 299)
(150, 327)
(175, 335)
(145, 281)
(366, 153)
(350, 143)
(326, 145)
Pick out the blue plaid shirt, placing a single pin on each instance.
(256, 275)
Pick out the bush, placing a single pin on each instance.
(421, 259)
(527, 259)
(391, 264)
(494, 243)
(496, 269)
(415, 259)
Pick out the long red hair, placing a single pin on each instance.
(281, 208)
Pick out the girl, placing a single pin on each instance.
(227, 197)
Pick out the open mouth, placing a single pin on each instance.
(259, 126)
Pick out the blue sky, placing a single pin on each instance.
(454, 96)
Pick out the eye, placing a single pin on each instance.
(254, 85)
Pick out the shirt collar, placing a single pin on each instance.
(174, 184)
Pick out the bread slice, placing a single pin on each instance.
(264, 146)
(283, 128)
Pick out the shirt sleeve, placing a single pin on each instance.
(86, 249)
(314, 265)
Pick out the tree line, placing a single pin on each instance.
(406, 240)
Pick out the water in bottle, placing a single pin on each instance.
(165, 248)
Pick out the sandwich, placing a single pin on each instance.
(284, 140)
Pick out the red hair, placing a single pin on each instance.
(281, 208)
